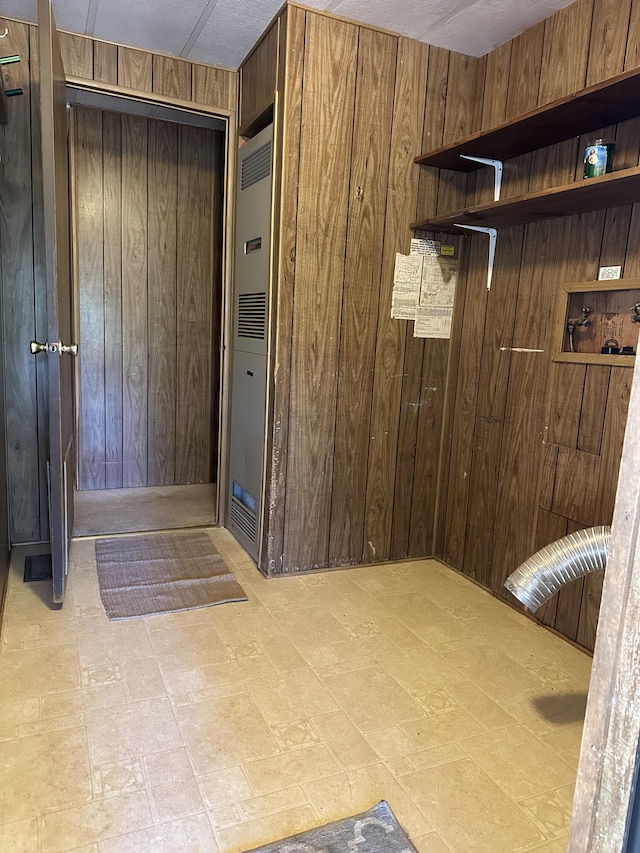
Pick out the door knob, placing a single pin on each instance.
(58, 347)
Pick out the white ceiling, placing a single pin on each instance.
(221, 32)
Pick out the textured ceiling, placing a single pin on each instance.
(221, 32)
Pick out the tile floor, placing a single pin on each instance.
(215, 730)
(106, 511)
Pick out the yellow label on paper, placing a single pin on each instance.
(447, 250)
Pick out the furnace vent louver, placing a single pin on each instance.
(256, 166)
(244, 519)
(252, 315)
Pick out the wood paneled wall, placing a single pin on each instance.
(534, 446)
(383, 446)
(21, 275)
(356, 401)
(148, 212)
(149, 72)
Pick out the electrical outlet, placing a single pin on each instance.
(607, 273)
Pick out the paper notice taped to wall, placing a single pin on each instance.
(424, 284)
(422, 246)
(407, 279)
(437, 292)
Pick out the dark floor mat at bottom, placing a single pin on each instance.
(37, 568)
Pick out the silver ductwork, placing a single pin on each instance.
(559, 563)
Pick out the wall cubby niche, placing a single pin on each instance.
(610, 311)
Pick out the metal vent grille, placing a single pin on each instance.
(243, 519)
(252, 315)
(256, 166)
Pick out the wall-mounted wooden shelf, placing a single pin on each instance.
(602, 104)
(612, 190)
(611, 311)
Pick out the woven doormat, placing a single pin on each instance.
(162, 573)
(373, 831)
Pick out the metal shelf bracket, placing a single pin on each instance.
(498, 167)
(492, 233)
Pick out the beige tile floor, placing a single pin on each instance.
(215, 730)
(105, 511)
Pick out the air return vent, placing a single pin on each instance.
(256, 166)
(252, 315)
(242, 512)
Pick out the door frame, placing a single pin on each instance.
(89, 91)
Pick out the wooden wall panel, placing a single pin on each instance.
(112, 244)
(149, 283)
(406, 140)
(134, 299)
(162, 294)
(466, 403)
(567, 388)
(397, 430)
(105, 62)
(288, 128)
(496, 85)
(549, 528)
(589, 610)
(77, 55)
(569, 601)
(365, 237)
(545, 248)
(435, 104)
(148, 72)
(135, 69)
(565, 51)
(258, 76)
(607, 47)
(172, 77)
(88, 178)
(215, 86)
(593, 408)
(327, 116)
(460, 116)
(574, 495)
(427, 446)
(523, 91)
(612, 437)
(491, 402)
(632, 55)
(194, 307)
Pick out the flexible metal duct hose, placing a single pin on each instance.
(555, 565)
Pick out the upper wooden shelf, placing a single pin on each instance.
(612, 190)
(609, 102)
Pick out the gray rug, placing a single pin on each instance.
(373, 831)
(162, 573)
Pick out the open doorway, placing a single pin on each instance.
(148, 223)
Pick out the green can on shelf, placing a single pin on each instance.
(598, 158)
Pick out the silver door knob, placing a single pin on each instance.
(58, 347)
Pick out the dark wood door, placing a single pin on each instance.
(58, 347)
